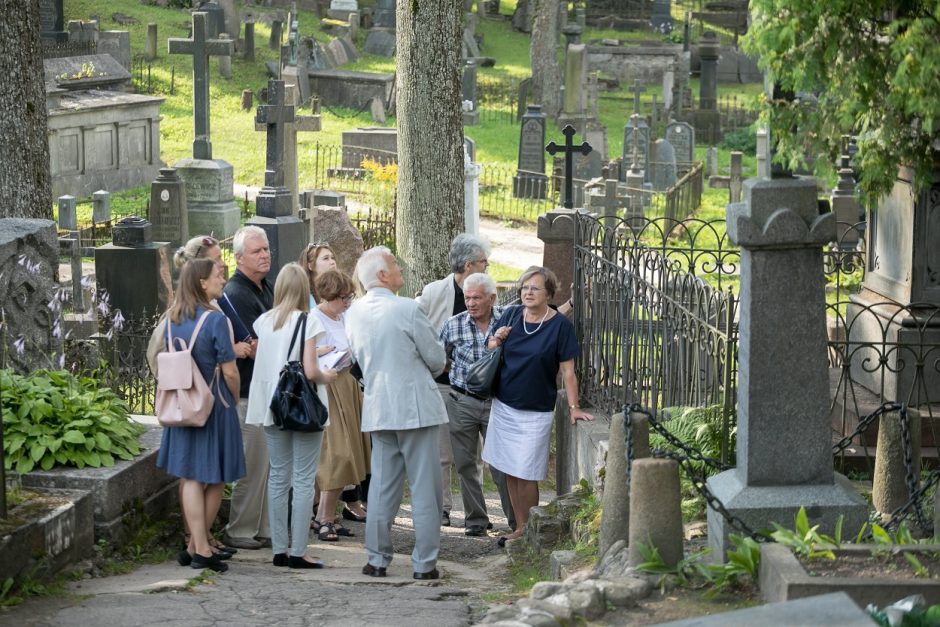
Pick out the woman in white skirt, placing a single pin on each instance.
(537, 342)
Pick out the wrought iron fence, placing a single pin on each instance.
(497, 100)
(656, 315)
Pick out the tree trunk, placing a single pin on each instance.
(543, 50)
(24, 151)
(430, 137)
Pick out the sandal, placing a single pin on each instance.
(342, 531)
(327, 533)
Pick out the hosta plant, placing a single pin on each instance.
(52, 417)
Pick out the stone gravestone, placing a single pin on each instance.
(574, 105)
(663, 171)
(530, 180)
(209, 182)
(51, 19)
(215, 18)
(784, 451)
(332, 224)
(468, 85)
(682, 137)
(383, 15)
(68, 214)
(636, 145)
(231, 19)
(135, 270)
(287, 234)
(846, 207)
(169, 216)
(903, 255)
(29, 259)
(380, 42)
(340, 9)
(661, 20)
(706, 118)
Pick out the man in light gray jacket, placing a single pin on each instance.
(399, 354)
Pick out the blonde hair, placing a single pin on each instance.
(291, 293)
(195, 248)
(189, 293)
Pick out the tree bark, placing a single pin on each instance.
(430, 137)
(24, 149)
(543, 50)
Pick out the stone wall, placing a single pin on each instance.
(339, 88)
(581, 449)
(646, 63)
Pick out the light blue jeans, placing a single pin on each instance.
(294, 457)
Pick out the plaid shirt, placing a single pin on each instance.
(465, 344)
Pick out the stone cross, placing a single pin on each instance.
(201, 48)
(608, 203)
(300, 123)
(569, 149)
(734, 183)
(275, 116)
(637, 89)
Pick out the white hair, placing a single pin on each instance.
(481, 281)
(370, 264)
(246, 232)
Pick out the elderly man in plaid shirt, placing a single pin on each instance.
(464, 339)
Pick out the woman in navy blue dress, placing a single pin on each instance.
(538, 343)
(204, 458)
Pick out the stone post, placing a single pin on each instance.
(655, 510)
(225, 62)
(249, 40)
(68, 218)
(274, 43)
(784, 447)
(101, 207)
(709, 51)
(615, 520)
(471, 194)
(889, 486)
(763, 153)
(150, 47)
(845, 206)
(556, 229)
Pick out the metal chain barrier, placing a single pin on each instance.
(863, 424)
(346, 117)
(910, 476)
(916, 500)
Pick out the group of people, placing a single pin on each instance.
(391, 372)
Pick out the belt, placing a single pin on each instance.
(468, 393)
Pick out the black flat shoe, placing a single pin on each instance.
(300, 562)
(501, 542)
(348, 514)
(201, 562)
(431, 574)
(183, 558)
(222, 555)
(280, 559)
(374, 571)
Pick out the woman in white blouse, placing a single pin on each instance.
(293, 455)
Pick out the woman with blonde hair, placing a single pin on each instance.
(346, 450)
(293, 455)
(204, 458)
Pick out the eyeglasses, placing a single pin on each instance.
(348, 298)
(531, 288)
(208, 241)
(484, 261)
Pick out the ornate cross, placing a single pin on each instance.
(569, 149)
(201, 48)
(275, 115)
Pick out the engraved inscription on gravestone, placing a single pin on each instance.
(682, 137)
(51, 16)
(168, 216)
(531, 157)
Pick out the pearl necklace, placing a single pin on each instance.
(526, 329)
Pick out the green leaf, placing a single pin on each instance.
(103, 441)
(74, 437)
(47, 462)
(36, 451)
(880, 535)
(802, 522)
(24, 465)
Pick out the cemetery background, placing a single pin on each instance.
(597, 298)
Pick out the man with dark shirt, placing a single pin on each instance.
(250, 295)
(440, 300)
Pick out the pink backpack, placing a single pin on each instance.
(183, 397)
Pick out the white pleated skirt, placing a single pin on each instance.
(517, 441)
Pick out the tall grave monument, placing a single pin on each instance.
(784, 444)
(209, 182)
(706, 117)
(530, 180)
(287, 234)
(636, 134)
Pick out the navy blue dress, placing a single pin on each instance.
(212, 453)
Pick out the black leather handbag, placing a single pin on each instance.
(295, 404)
(481, 375)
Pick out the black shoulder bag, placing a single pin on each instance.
(481, 375)
(295, 405)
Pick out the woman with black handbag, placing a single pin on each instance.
(294, 455)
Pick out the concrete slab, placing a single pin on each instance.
(832, 610)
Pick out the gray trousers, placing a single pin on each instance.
(395, 455)
(248, 517)
(447, 458)
(294, 459)
(469, 418)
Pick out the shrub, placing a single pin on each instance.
(53, 417)
(743, 139)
